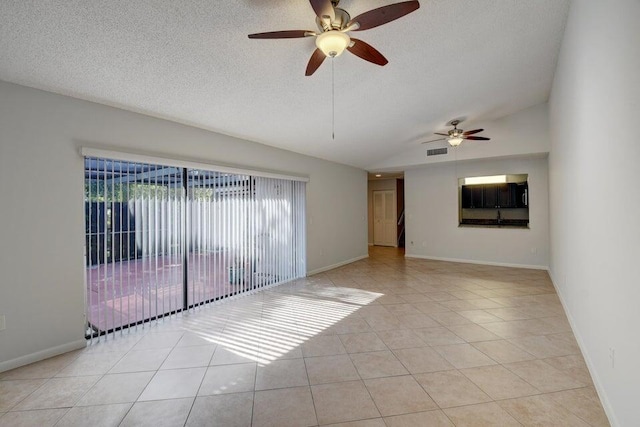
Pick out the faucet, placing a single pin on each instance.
(499, 218)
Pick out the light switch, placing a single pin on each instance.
(3, 324)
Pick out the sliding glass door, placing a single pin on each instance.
(162, 239)
(134, 243)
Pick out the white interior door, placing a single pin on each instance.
(384, 218)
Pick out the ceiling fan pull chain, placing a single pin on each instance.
(333, 100)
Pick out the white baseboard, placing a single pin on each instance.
(41, 355)
(480, 262)
(592, 371)
(340, 264)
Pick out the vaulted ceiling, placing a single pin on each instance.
(191, 61)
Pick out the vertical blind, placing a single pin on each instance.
(163, 239)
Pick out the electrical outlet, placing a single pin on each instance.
(3, 323)
(534, 250)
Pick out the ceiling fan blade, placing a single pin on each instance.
(289, 34)
(443, 134)
(471, 132)
(382, 15)
(316, 60)
(367, 52)
(476, 138)
(323, 9)
(433, 140)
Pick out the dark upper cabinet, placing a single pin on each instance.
(465, 197)
(495, 196)
(472, 196)
(490, 196)
(507, 195)
(500, 196)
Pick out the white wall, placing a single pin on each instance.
(376, 185)
(431, 202)
(594, 197)
(41, 205)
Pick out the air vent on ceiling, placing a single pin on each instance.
(436, 151)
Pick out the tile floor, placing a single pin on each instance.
(386, 341)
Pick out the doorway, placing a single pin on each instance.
(385, 196)
(384, 218)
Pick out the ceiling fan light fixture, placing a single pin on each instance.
(332, 43)
(454, 141)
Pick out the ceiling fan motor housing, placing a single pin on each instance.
(455, 132)
(339, 23)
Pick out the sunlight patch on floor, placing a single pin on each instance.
(267, 331)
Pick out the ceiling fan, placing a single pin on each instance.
(334, 23)
(455, 136)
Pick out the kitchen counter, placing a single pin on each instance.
(511, 223)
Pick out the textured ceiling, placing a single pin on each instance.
(191, 61)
